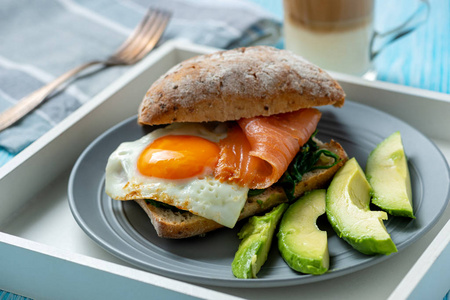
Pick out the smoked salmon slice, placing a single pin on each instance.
(257, 151)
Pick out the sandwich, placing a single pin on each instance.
(233, 135)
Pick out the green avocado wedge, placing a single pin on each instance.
(388, 174)
(303, 246)
(347, 207)
(256, 237)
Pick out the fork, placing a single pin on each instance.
(142, 40)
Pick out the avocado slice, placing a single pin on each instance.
(256, 237)
(347, 207)
(388, 174)
(303, 246)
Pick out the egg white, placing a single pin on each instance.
(206, 197)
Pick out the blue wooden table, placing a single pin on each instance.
(420, 59)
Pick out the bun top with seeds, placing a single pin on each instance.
(239, 83)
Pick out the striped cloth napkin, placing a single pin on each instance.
(43, 39)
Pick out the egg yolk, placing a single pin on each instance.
(178, 157)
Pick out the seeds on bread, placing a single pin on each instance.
(239, 83)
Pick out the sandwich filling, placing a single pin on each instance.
(209, 170)
(257, 151)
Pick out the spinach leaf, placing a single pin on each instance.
(162, 205)
(255, 192)
(305, 161)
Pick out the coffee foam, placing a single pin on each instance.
(326, 15)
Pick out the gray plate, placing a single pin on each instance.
(124, 230)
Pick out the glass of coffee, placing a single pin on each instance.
(338, 35)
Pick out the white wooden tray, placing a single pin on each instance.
(44, 254)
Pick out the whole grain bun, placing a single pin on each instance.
(239, 83)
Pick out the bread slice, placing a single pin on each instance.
(239, 83)
(183, 224)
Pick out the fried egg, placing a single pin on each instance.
(175, 165)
